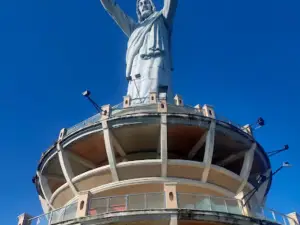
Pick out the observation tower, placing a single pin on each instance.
(152, 159)
(154, 163)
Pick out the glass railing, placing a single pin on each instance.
(156, 201)
(56, 216)
(118, 110)
(127, 203)
(209, 203)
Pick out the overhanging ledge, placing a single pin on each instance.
(165, 214)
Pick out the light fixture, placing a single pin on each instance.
(272, 153)
(261, 179)
(87, 94)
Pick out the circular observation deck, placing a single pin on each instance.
(138, 149)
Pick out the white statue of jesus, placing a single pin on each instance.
(148, 58)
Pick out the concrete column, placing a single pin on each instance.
(209, 150)
(83, 205)
(164, 145)
(241, 201)
(23, 219)
(247, 166)
(44, 204)
(66, 167)
(174, 220)
(263, 188)
(293, 218)
(45, 188)
(110, 151)
(170, 196)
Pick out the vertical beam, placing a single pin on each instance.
(110, 151)
(45, 188)
(45, 206)
(23, 219)
(209, 150)
(197, 146)
(247, 166)
(173, 220)
(261, 193)
(241, 202)
(164, 144)
(66, 167)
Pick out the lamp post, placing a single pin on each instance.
(87, 94)
(259, 123)
(262, 179)
(272, 153)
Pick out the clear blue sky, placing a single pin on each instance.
(240, 56)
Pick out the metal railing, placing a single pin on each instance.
(233, 206)
(90, 121)
(274, 216)
(209, 203)
(126, 203)
(152, 201)
(56, 216)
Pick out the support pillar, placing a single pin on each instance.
(293, 218)
(45, 188)
(209, 150)
(23, 219)
(241, 202)
(83, 205)
(247, 166)
(164, 145)
(174, 220)
(110, 151)
(66, 167)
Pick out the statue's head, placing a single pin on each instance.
(144, 8)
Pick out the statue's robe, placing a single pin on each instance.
(148, 58)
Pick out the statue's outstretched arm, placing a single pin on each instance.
(169, 11)
(125, 22)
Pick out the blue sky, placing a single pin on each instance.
(240, 56)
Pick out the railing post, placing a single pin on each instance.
(50, 218)
(83, 205)
(283, 218)
(107, 204)
(210, 205)
(23, 219)
(61, 219)
(226, 206)
(171, 196)
(273, 214)
(126, 202)
(145, 201)
(245, 209)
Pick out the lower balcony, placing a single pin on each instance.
(185, 206)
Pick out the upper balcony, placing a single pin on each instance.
(126, 150)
